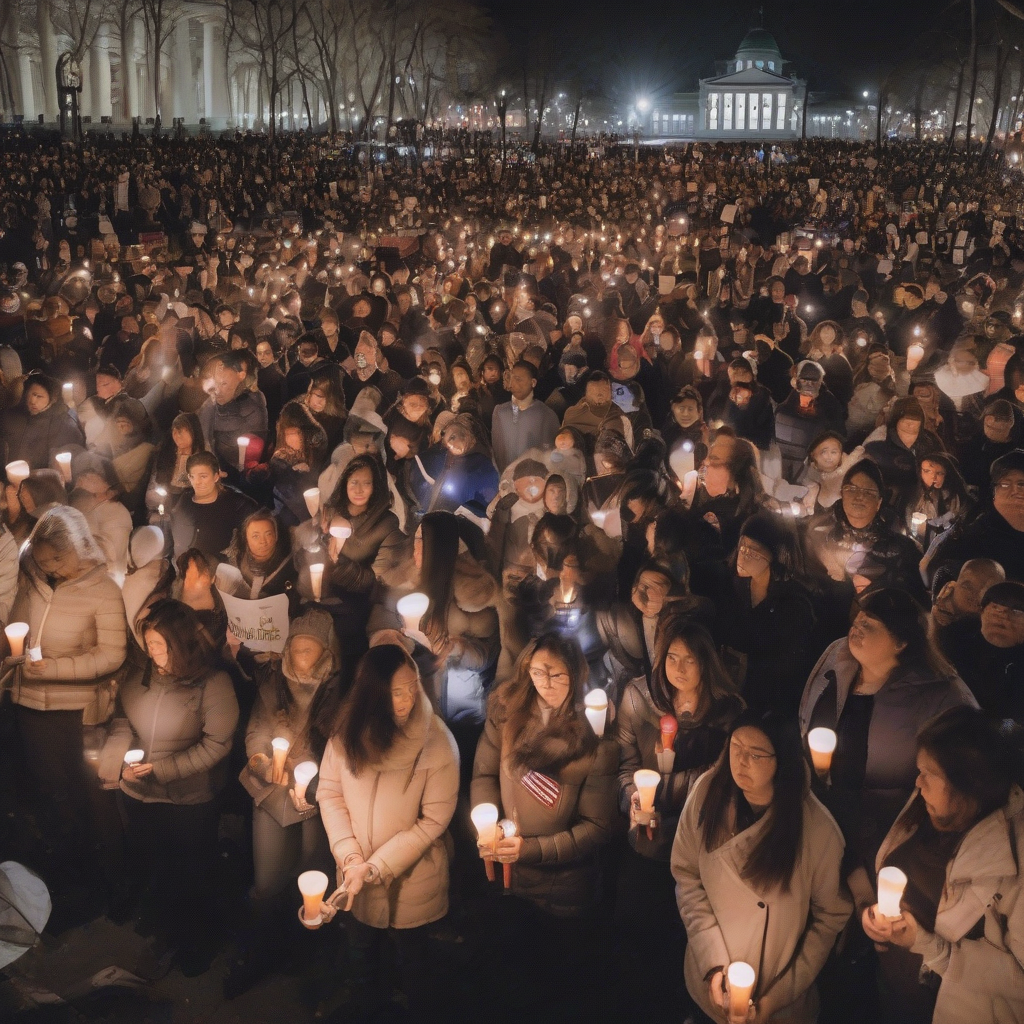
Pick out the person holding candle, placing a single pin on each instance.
(389, 782)
(75, 645)
(182, 708)
(169, 478)
(233, 409)
(873, 687)
(40, 425)
(953, 954)
(756, 861)
(540, 763)
(298, 459)
(940, 495)
(689, 684)
(206, 515)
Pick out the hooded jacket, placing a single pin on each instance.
(557, 867)
(395, 815)
(37, 439)
(977, 948)
(246, 413)
(786, 936)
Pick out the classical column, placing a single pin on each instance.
(184, 86)
(101, 106)
(85, 96)
(28, 100)
(47, 59)
(130, 71)
(215, 72)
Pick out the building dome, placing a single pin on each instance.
(759, 44)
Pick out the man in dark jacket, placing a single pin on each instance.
(231, 411)
(809, 410)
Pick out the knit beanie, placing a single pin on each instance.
(147, 544)
(314, 623)
(1007, 464)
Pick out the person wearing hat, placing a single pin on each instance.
(873, 688)
(810, 409)
(996, 531)
(40, 425)
(1002, 430)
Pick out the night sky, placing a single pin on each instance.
(838, 44)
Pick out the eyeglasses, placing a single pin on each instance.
(747, 552)
(745, 756)
(861, 492)
(542, 675)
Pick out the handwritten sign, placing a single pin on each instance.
(260, 625)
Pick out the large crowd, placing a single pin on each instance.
(358, 496)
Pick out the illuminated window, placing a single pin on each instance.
(760, 64)
(754, 112)
(771, 65)
(739, 65)
(766, 112)
(780, 112)
(727, 113)
(741, 111)
(713, 99)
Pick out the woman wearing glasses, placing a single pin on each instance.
(756, 860)
(875, 688)
(539, 761)
(772, 615)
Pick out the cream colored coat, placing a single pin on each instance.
(785, 936)
(983, 977)
(395, 815)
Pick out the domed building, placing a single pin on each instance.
(751, 96)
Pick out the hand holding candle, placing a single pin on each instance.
(919, 520)
(485, 820)
(243, 445)
(740, 978)
(17, 471)
(281, 747)
(508, 830)
(312, 499)
(305, 772)
(596, 710)
(16, 633)
(646, 782)
(822, 744)
(312, 885)
(412, 608)
(891, 883)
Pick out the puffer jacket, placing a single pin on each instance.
(186, 728)
(80, 627)
(697, 747)
(785, 935)
(977, 948)
(557, 867)
(395, 815)
(908, 699)
(222, 425)
(37, 439)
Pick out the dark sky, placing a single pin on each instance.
(837, 44)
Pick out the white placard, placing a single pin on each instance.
(260, 625)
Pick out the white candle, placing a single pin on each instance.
(741, 984)
(689, 486)
(822, 744)
(920, 523)
(243, 444)
(340, 530)
(646, 782)
(891, 883)
(412, 608)
(63, 460)
(305, 772)
(280, 747)
(596, 710)
(485, 821)
(914, 356)
(312, 885)
(316, 579)
(17, 471)
(68, 391)
(134, 757)
(312, 497)
(16, 633)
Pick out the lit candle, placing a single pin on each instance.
(316, 579)
(741, 978)
(340, 530)
(412, 608)
(280, 746)
(508, 830)
(689, 487)
(134, 757)
(920, 523)
(891, 883)
(312, 885)
(915, 353)
(596, 709)
(646, 782)
(17, 471)
(305, 772)
(68, 391)
(822, 744)
(312, 498)
(485, 820)
(16, 633)
(669, 727)
(63, 460)
(243, 444)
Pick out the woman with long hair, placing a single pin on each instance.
(689, 685)
(954, 952)
(182, 709)
(261, 553)
(772, 614)
(169, 479)
(389, 781)
(873, 688)
(940, 495)
(756, 862)
(541, 764)
(325, 399)
(301, 452)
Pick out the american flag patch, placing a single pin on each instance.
(542, 788)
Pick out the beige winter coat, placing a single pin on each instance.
(395, 815)
(785, 936)
(80, 626)
(982, 974)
